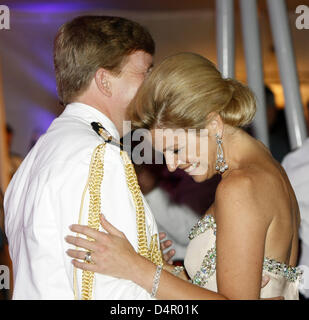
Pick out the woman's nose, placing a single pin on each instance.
(171, 167)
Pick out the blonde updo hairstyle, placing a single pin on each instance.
(183, 90)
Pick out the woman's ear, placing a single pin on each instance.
(214, 124)
(102, 81)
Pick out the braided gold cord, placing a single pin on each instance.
(95, 181)
(96, 173)
(138, 202)
(153, 254)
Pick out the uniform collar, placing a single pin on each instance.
(88, 113)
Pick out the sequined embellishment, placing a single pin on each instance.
(202, 225)
(207, 269)
(208, 266)
(291, 274)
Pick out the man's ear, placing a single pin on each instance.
(102, 81)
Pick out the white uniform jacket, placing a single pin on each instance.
(44, 199)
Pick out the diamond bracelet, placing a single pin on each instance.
(156, 281)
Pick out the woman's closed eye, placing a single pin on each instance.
(177, 150)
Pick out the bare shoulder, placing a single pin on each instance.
(241, 228)
(248, 191)
(235, 181)
(238, 184)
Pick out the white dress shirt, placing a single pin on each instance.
(44, 199)
(296, 165)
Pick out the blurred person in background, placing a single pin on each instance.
(279, 143)
(296, 165)
(5, 294)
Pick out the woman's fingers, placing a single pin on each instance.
(165, 244)
(94, 234)
(81, 243)
(168, 256)
(85, 266)
(110, 228)
(77, 254)
(162, 235)
(89, 232)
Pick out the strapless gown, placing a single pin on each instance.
(200, 263)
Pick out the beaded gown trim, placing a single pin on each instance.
(96, 173)
(208, 267)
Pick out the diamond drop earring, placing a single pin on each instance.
(221, 164)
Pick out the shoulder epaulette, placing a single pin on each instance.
(103, 133)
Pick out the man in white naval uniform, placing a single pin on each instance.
(100, 62)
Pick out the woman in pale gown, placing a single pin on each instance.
(250, 230)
